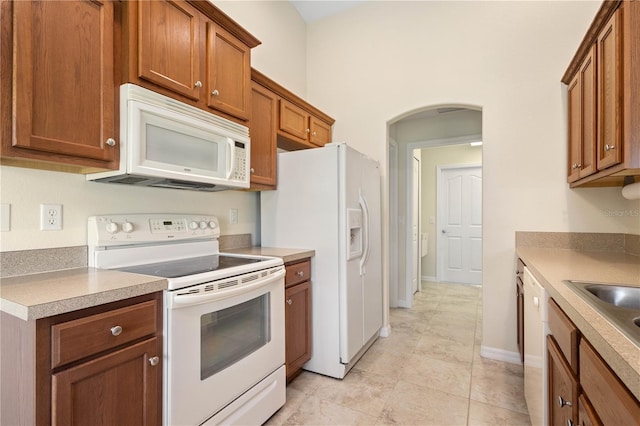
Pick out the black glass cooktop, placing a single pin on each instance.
(191, 266)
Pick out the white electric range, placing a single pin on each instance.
(224, 347)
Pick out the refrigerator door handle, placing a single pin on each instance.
(365, 216)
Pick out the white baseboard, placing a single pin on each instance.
(500, 355)
(429, 278)
(385, 331)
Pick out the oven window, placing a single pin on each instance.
(231, 334)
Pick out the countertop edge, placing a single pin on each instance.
(286, 254)
(591, 323)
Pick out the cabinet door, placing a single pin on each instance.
(610, 93)
(582, 120)
(298, 326)
(575, 128)
(320, 132)
(586, 414)
(169, 50)
(119, 388)
(264, 111)
(562, 387)
(294, 121)
(229, 72)
(64, 80)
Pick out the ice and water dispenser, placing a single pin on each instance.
(354, 227)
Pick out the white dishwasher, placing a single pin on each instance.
(536, 328)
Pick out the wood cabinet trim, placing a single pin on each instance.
(602, 16)
(279, 90)
(219, 17)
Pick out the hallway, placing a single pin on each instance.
(428, 372)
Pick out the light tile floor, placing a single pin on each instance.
(428, 372)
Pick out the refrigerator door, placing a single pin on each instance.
(372, 258)
(351, 303)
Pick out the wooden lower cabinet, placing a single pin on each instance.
(297, 317)
(115, 389)
(563, 387)
(50, 378)
(611, 400)
(586, 414)
(582, 388)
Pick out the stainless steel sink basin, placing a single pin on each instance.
(618, 295)
(618, 303)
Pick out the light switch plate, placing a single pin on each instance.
(5, 217)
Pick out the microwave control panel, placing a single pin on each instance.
(240, 169)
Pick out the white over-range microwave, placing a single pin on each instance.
(169, 144)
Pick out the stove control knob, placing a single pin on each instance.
(127, 227)
(203, 225)
(213, 224)
(112, 227)
(193, 225)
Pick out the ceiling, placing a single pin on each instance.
(313, 10)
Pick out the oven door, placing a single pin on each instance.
(219, 344)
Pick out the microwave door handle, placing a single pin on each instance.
(231, 157)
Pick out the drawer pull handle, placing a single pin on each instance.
(116, 331)
(562, 402)
(154, 361)
(300, 273)
(289, 301)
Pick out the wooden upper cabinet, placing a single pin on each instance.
(228, 72)
(169, 46)
(302, 126)
(319, 132)
(604, 99)
(294, 121)
(62, 84)
(189, 51)
(582, 119)
(264, 113)
(610, 93)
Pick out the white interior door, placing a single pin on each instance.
(415, 226)
(460, 224)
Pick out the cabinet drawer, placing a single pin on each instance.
(297, 273)
(76, 339)
(565, 333)
(586, 414)
(610, 398)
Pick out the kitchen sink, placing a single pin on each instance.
(620, 304)
(618, 295)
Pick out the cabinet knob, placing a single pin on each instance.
(198, 84)
(289, 301)
(111, 142)
(154, 361)
(307, 130)
(562, 402)
(314, 134)
(300, 273)
(215, 92)
(570, 422)
(116, 331)
(608, 147)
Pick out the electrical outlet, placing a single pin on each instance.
(50, 217)
(233, 216)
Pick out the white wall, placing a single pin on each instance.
(381, 60)
(281, 56)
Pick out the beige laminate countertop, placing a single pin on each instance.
(31, 297)
(552, 266)
(287, 254)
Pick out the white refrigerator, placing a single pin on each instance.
(328, 199)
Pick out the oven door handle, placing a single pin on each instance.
(183, 300)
